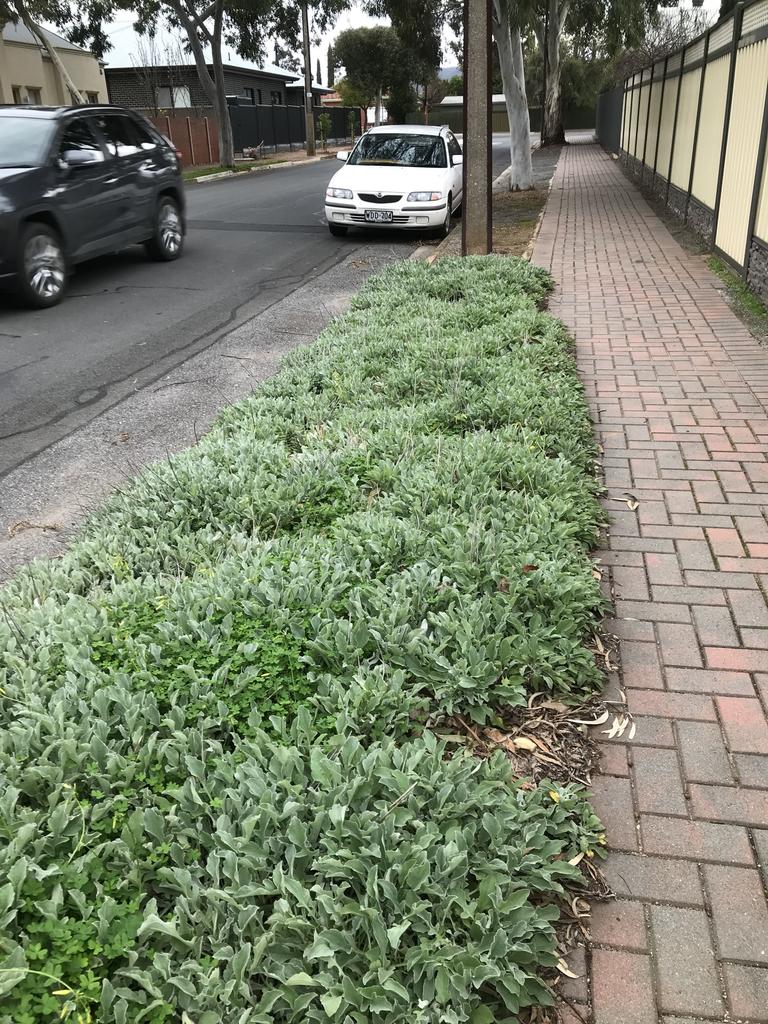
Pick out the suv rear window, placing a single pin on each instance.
(24, 141)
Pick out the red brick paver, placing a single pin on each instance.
(679, 395)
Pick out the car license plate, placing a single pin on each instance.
(378, 216)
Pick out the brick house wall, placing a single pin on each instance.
(129, 88)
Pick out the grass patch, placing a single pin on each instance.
(515, 215)
(746, 304)
(220, 795)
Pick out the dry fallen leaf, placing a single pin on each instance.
(524, 743)
(610, 733)
(601, 720)
(555, 705)
(576, 860)
(563, 967)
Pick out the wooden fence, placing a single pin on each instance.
(196, 138)
(264, 127)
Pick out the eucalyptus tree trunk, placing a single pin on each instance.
(377, 114)
(213, 88)
(506, 32)
(51, 51)
(552, 131)
(226, 140)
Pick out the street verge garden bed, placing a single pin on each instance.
(229, 793)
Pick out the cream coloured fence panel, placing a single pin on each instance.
(749, 87)
(638, 141)
(711, 131)
(686, 126)
(666, 127)
(624, 110)
(653, 122)
(761, 223)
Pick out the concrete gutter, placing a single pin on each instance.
(277, 166)
(44, 501)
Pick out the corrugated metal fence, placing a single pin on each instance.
(693, 128)
(276, 126)
(608, 118)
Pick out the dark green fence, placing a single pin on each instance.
(574, 117)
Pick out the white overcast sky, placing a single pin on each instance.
(125, 41)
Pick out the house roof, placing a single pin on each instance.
(246, 68)
(298, 83)
(17, 32)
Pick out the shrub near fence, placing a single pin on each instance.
(694, 129)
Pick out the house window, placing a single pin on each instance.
(275, 97)
(16, 89)
(93, 97)
(258, 92)
(173, 96)
(34, 95)
(249, 94)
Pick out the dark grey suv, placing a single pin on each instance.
(78, 182)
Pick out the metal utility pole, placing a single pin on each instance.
(308, 103)
(476, 228)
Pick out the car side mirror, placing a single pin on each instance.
(80, 157)
(343, 155)
(458, 160)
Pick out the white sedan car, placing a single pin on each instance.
(397, 176)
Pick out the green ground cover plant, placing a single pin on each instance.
(221, 799)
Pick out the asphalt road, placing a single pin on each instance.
(127, 321)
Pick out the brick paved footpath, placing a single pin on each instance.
(679, 395)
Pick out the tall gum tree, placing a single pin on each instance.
(508, 38)
(618, 22)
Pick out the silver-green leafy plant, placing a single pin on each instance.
(220, 800)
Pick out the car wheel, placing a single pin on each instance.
(168, 240)
(337, 230)
(445, 227)
(42, 266)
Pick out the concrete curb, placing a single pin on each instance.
(281, 165)
(528, 253)
(431, 252)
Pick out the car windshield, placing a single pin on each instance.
(24, 141)
(384, 149)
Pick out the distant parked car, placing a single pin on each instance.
(79, 182)
(397, 176)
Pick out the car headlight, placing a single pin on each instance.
(338, 193)
(424, 197)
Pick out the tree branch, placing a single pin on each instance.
(50, 50)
